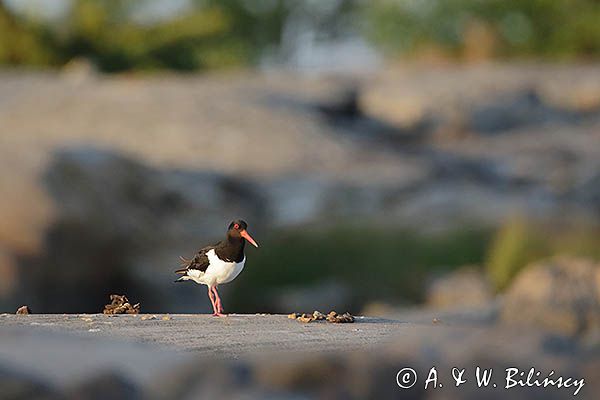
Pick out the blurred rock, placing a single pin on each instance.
(108, 385)
(560, 295)
(79, 70)
(588, 191)
(119, 224)
(125, 221)
(345, 104)
(467, 287)
(154, 168)
(23, 385)
(378, 309)
(368, 370)
(519, 110)
(523, 109)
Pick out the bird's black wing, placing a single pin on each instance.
(199, 262)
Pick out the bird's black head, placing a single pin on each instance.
(237, 229)
(238, 225)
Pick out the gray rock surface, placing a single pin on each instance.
(466, 287)
(560, 295)
(231, 336)
(248, 356)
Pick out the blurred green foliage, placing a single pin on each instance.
(515, 245)
(23, 42)
(392, 264)
(547, 28)
(212, 34)
(222, 33)
(519, 242)
(389, 264)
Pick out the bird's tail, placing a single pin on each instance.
(181, 271)
(185, 264)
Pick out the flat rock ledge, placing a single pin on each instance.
(270, 356)
(223, 337)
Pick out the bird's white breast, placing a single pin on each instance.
(220, 271)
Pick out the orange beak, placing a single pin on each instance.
(247, 236)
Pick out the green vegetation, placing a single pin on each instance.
(515, 245)
(223, 33)
(383, 264)
(392, 265)
(505, 28)
(518, 243)
(219, 33)
(23, 42)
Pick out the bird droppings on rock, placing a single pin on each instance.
(23, 310)
(332, 317)
(119, 304)
(148, 317)
(87, 319)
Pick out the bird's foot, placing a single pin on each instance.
(219, 314)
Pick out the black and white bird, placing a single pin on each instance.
(219, 263)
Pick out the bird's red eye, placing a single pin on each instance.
(236, 226)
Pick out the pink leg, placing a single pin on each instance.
(212, 300)
(218, 300)
(216, 311)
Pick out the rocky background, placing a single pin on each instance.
(107, 180)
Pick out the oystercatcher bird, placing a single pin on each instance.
(219, 263)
